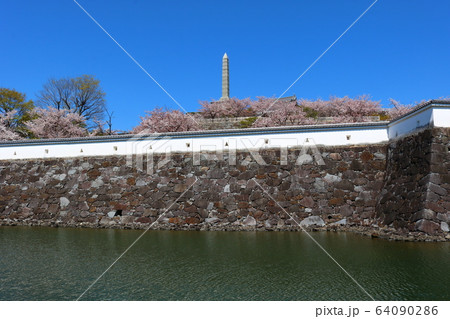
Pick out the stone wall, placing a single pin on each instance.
(222, 123)
(416, 191)
(83, 191)
(337, 188)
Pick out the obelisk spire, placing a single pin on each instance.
(225, 78)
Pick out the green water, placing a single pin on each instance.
(59, 264)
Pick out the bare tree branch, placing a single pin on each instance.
(81, 95)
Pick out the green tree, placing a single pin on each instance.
(81, 95)
(12, 101)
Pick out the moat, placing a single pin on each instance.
(39, 263)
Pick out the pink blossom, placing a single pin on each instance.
(53, 123)
(398, 109)
(160, 120)
(233, 107)
(344, 109)
(6, 132)
(278, 113)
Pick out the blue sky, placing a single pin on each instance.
(399, 49)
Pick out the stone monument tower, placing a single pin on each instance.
(225, 78)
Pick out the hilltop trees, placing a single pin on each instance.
(344, 109)
(275, 112)
(268, 112)
(210, 110)
(280, 112)
(163, 120)
(233, 107)
(80, 95)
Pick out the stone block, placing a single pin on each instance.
(427, 226)
(307, 202)
(216, 173)
(180, 188)
(246, 175)
(144, 220)
(445, 217)
(64, 202)
(341, 222)
(243, 205)
(249, 221)
(312, 221)
(336, 201)
(366, 156)
(437, 189)
(435, 207)
(332, 178)
(346, 211)
(356, 165)
(423, 214)
(212, 220)
(345, 185)
(335, 156)
(192, 220)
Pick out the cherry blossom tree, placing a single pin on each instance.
(210, 110)
(316, 108)
(356, 109)
(161, 120)
(54, 123)
(397, 109)
(263, 105)
(275, 112)
(6, 131)
(233, 107)
(344, 109)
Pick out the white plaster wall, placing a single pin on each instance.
(410, 123)
(223, 142)
(441, 117)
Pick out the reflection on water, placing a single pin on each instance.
(59, 264)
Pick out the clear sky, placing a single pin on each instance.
(399, 49)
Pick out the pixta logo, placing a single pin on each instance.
(150, 152)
